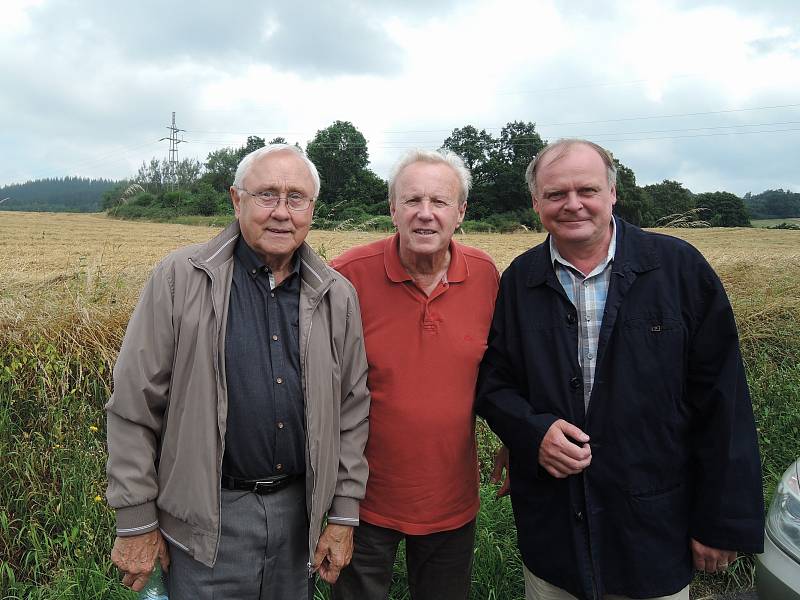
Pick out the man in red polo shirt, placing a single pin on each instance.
(426, 305)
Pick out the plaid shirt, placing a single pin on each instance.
(588, 294)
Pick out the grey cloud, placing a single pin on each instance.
(334, 37)
(778, 43)
(330, 41)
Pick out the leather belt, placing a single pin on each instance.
(268, 485)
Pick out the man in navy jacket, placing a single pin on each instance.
(613, 374)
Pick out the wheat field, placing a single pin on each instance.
(36, 249)
(53, 263)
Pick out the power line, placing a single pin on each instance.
(637, 118)
(173, 150)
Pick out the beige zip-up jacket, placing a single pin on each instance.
(166, 417)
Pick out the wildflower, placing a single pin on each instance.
(93, 428)
(98, 498)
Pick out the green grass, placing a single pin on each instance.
(55, 536)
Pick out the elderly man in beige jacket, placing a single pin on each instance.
(239, 414)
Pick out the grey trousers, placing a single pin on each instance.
(263, 551)
(439, 564)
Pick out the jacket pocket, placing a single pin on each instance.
(659, 517)
(654, 348)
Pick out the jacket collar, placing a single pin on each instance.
(220, 249)
(457, 270)
(635, 252)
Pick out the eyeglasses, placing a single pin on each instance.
(271, 199)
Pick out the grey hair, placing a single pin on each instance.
(247, 162)
(443, 156)
(562, 146)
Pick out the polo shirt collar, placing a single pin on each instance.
(395, 271)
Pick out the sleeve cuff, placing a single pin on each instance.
(135, 520)
(344, 511)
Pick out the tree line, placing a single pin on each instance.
(57, 194)
(353, 196)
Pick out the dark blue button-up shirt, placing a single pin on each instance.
(265, 433)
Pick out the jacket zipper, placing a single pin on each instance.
(217, 375)
(308, 429)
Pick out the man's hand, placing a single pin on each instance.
(136, 555)
(710, 559)
(334, 551)
(559, 455)
(500, 467)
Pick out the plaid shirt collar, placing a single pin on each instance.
(612, 250)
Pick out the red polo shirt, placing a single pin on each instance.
(423, 353)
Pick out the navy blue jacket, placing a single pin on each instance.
(673, 439)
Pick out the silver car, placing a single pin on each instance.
(778, 569)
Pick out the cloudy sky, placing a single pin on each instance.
(703, 92)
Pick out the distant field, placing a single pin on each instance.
(35, 247)
(771, 222)
(68, 283)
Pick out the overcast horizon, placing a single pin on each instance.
(705, 93)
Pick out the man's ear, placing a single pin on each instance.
(234, 194)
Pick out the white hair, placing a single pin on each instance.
(445, 157)
(247, 162)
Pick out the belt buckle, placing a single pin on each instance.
(267, 486)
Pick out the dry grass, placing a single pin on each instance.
(85, 269)
(41, 248)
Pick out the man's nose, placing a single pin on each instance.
(425, 211)
(573, 201)
(281, 211)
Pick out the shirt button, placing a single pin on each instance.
(272, 294)
(585, 284)
(588, 319)
(254, 271)
(589, 355)
(275, 338)
(280, 424)
(279, 467)
(279, 380)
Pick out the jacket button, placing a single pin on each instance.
(279, 467)
(575, 383)
(570, 319)
(578, 516)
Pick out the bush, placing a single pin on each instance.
(204, 201)
(175, 199)
(143, 199)
(785, 225)
(504, 222)
(379, 223)
(477, 227)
